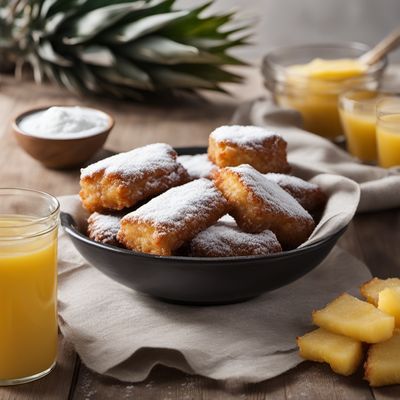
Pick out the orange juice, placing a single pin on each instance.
(388, 137)
(28, 282)
(360, 134)
(313, 89)
(358, 114)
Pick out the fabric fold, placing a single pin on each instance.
(124, 334)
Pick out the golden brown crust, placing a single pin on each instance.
(258, 204)
(122, 181)
(267, 155)
(173, 218)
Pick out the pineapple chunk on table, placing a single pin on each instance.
(389, 302)
(349, 316)
(383, 363)
(343, 354)
(370, 290)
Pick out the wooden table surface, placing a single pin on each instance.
(374, 238)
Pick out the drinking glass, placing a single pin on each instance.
(28, 284)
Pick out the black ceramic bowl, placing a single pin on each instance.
(199, 280)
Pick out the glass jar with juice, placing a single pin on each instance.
(310, 79)
(28, 285)
(388, 131)
(357, 110)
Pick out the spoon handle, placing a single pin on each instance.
(389, 43)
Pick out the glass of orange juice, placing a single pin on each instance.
(357, 110)
(388, 131)
(28, 285)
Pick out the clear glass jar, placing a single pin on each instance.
(316, 99)
(28, 285)
(357, 110)
(388, 131)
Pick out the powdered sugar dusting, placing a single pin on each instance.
(226, 239)
(227, 219)
(279, 200)
(103, 227)
(137, 162)
(198, 166)
(180, 204)
(247, 136)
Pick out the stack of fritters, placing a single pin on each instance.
(183, 198)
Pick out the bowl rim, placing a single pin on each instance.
(68, 224)
(268, 63)
(17, 119)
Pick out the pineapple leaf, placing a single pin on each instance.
(96, 55)
(46, 52)
(209, 26)
(241, 41)
(53, 23)
(71, 81)
(121, 92)
(168, 78)
(144, 26)
(161, 50)
(46, 7)
(86, 27)
(124, 74)
(52, 73)
(192, 26)
(129, 70)
(212, 73)
(79, 7)
(88, 78)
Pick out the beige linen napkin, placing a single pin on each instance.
(311, 155)
(122, 333)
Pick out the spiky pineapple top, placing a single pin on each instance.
(126, 48)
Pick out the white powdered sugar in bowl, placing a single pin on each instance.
(67, 122)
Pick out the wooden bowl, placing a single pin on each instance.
(60, 153)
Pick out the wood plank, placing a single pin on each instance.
(55, 386)
(379, 237)
(349, 241)
(317, 381)
(307, 381)
(387, 393)
(163, 383)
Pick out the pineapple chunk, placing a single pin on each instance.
(357, 319)
(370, 290)
(383, 363)
(343, 354)
(389, 302)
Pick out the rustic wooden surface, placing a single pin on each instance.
(374, 238)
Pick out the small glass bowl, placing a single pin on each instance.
(316, 99)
